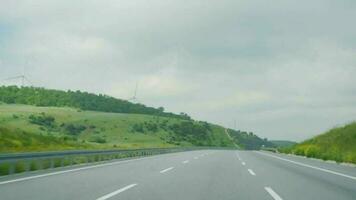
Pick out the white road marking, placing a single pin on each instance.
(251, 172)
(195, 158)
(274, 195)
(116, 192)
(238, 157)
(186, 161)
(166, 170)
(70, 170)
(310, 166)
(243, 163)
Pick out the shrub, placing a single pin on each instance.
(33, 166)
(20, 167)
(312, 152)
(4, 169)
(72, 129)
(42, 120)
(138, 128)
(98, 140)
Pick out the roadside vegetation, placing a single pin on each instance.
(250, 141)
(338, 144)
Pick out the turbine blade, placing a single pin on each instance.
(11, 78)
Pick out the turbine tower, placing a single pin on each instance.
(134, 97)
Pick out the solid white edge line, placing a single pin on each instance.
(251, 172)
(274, 195)
(310, 166)
(116, 192)
(71, 170)
(166, 170)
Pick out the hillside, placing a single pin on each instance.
(338, 144)
(81, 100)
(39, 119)
(33, 128)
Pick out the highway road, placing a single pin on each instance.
(195, 175)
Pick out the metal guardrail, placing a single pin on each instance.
(24, 162)
(19, 156)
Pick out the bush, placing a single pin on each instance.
(42, 120)
(72, 129)
(33, 166)
(98, 140)
(150, 126)
(299, 151)
(4, 169)
(194, 133)
(312, 152)
(20, 167)
(138, 128)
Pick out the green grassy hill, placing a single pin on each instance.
(32, 128)
(338, 144)
(77, 99)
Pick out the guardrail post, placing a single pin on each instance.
(51, 163)
(27, 165)
(11, 168)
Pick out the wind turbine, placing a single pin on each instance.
(21, 77)
(134, 97)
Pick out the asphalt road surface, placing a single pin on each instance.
(195, 175)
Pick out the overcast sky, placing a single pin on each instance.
(282, 69)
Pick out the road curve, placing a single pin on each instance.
(195, 175)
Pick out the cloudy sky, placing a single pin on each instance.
(282, 69)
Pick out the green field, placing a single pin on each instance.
(26, 128)
(338, 144)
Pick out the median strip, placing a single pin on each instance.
(166, 170)
(116, 192)
(274, 195)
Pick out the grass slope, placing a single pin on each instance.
(338, 144)
(31, 128)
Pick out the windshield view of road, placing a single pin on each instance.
(172, 100)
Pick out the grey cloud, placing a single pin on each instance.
(282, 69)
